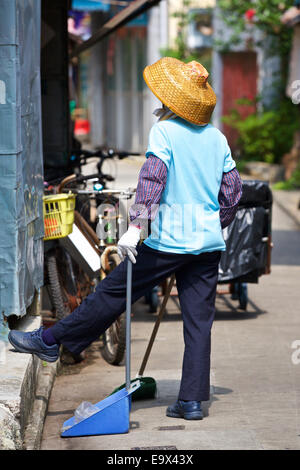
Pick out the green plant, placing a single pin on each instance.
(260, 15)
(264, 136)
(295, 178)
(283, 186)
(292, 183)
(240, 165)
(265, 15)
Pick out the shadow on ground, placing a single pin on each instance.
(226, 309)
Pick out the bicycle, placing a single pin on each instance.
(80, 158)
(67, 276)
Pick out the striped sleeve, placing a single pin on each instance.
(229, 196)
(151, 183)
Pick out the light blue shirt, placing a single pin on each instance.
(188, 219)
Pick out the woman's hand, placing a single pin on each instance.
(128, 243)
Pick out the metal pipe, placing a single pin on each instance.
(128, 321)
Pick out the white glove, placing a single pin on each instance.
(128, 243)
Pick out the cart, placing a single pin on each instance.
(248, 242)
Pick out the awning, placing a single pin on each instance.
(120, 19)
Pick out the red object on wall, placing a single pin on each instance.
(82, 127)
(240, 73)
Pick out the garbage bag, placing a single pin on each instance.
(246, 238)
(84, 410)
(256, 193)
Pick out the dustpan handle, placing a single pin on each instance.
(128, 322)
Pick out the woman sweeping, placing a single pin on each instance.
(189, 190)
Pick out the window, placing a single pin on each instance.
(200, 30)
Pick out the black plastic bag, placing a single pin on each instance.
(246, 238)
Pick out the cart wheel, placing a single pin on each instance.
(152, 299)
(243, 295)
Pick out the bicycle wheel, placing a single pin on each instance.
(68, 286)
(114, 338)
(60, 306)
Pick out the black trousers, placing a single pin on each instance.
(196, 280)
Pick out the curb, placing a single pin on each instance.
(34, 429)
(18, 376)
(284, 209)
(10, 433)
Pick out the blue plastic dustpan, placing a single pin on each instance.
(112, 417)
(113, 414)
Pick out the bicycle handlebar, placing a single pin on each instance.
(62, 182)
(125, 192)
(103, 154)
(80, 179)
(84, 155)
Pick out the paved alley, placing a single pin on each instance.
(255, 391)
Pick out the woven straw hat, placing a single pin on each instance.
(183, 88)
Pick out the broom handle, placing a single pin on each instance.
(157, 323)
(128, 321)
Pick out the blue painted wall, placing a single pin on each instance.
(21, 159)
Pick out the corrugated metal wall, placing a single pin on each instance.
(21, 162)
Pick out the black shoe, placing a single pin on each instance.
(185, 409)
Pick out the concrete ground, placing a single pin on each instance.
(255, 393)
